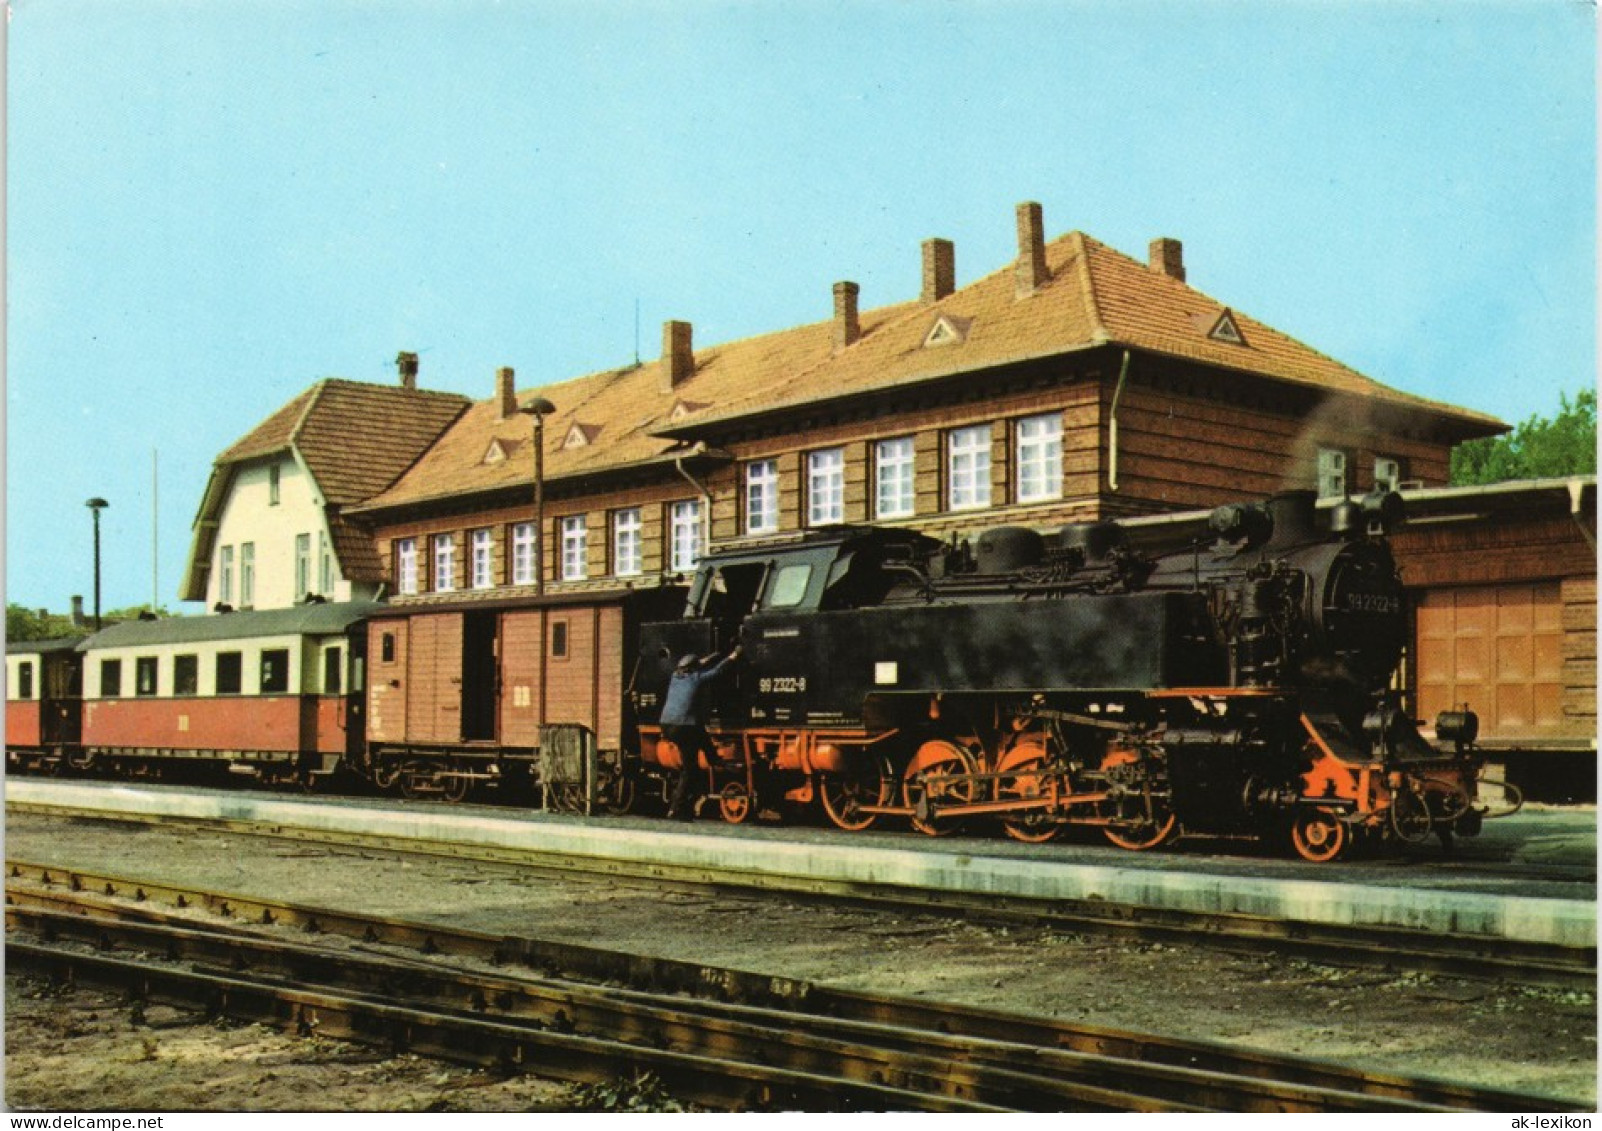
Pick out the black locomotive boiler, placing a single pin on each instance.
(1236, 685)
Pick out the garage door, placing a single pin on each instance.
(1500, 650)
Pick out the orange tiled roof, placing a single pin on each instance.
(1095, 296)
(627, 405)
(356, 438)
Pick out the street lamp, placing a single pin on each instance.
(96, 505)
(539, 408)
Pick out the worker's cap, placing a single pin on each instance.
(685, 663)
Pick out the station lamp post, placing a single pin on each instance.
(539, 408)
(96, 505)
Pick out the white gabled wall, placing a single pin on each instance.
(248, 516)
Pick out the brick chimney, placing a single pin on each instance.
(407, 364)
(505, 393)
(1030, 273)
(678, 356)
(1167, 257)
(847, 327)
(939, 269)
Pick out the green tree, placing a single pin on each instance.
(1537, 449)
(27, 624)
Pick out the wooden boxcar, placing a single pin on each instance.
(465, 693)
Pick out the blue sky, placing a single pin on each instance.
(212, 205)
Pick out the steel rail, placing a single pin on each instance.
(1166, 1073)
(1333, 943)
(921, 1057)
(480, 1041)
(945, 1078)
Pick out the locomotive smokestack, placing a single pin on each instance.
(1294, 519)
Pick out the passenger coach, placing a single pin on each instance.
(277, 694)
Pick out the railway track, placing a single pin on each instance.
(1361, 945)
(717, 1038)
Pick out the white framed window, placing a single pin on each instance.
(762, 497)
(1039, 446)
(626, 556)
(406, 566)
(302, 566)
(444, 563)
(893, 478)
(1387, 474)
(482, 546)
(225, 576)
(247, 574)
(1331, 473)
(826, 487)
(523, 554)
(575, 548)
(325, 565)
(685, 530)
(968, 467)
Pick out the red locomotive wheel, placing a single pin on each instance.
(1140, 837)
(938, 759)
(841, 794)
(1140, 820)
(735, 804)
(1319, 835)
(1022, 765)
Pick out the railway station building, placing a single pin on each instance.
(1073, 383)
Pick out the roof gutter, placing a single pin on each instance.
(1576, 494)
(700, 449)
(1112, 425)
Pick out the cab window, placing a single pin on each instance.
(789, 586)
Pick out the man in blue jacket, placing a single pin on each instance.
(684, 717)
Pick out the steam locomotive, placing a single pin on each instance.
(1233, 685)
(1236, 686)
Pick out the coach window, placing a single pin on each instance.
(333, 666)
(25, 680)
(186, 675)
(274, 671)
(230, 665)
(145, 675)
(110, 679)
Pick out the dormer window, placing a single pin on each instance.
(1225, 329)
(946, 331)
(497, 452)
(580, 436)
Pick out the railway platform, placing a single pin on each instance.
(1529, 878)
